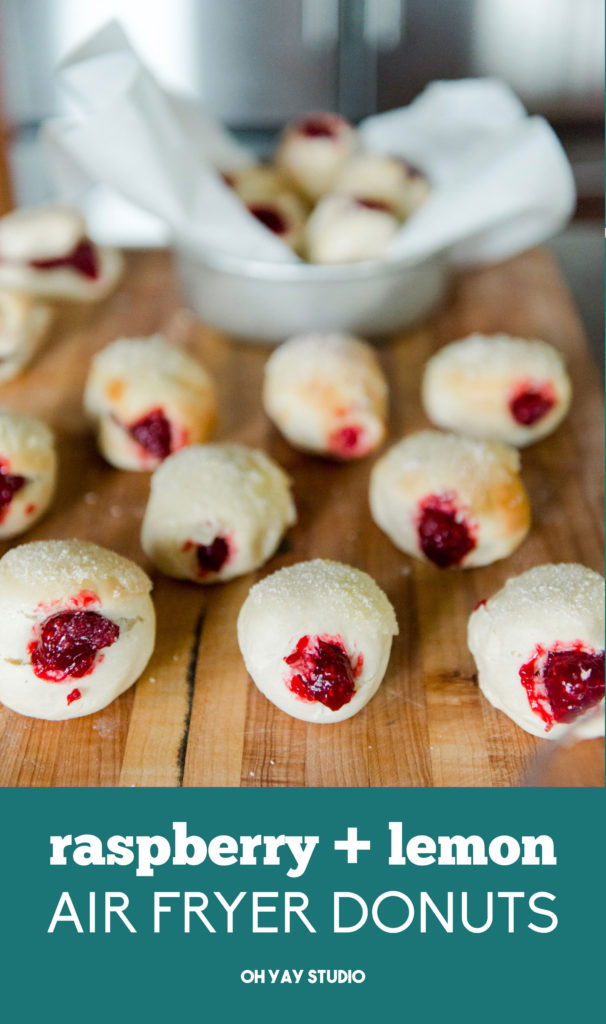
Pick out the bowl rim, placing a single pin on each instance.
(304, 273)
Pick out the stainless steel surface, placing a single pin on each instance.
(270, 302)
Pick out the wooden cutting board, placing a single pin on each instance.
(194, 718)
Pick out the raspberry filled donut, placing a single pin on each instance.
(326, 393)
(45, 251)
(348, 229)
(316, 639)
(313, 150)
(215, 512)
(283, 214)
(449, 500)
(23, 324)
(148, 399)
(28, 470)
(384, 179)
(539, 647)
(77, 628)
(256, 182)
(508, 389)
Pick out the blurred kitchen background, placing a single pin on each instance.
(257, 63)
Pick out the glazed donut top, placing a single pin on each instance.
(501, 355)
(40, 233)
(430, 458)
(49, 570)
(325, 362)
(556, 599)
(235, 477)
(325, 590)
(144, 363)
(27, 439)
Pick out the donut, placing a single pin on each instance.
(507, 389)
(28, 469)
(45, 251)
(538, 644)
(216, 511)
(148, 399)
(387, 179)
(23, 324)
(312, 151)
(453, 501)
(76, 627)
(316, 639)
(283, 214)
(326, 393)
(256, 182)
(349, 229)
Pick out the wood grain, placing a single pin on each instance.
(194, 718)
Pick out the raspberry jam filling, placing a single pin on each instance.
(444, 535)
(83, 259)
(319, 126)
(563, 684)
(530, 404)
(153, 433)
(270, 217)
(322, 671)
(212, 557)
(347, 442)
(68, 643)
(9, 485)
(373, 204)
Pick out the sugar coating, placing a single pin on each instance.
(47, 578)
(329, 585)
(340, 230)
(41, 232)
(316, 384)
(46, 233)
(549, 605)
(312, 163)
(132, 377)
(205, 491)
(316, 598)
(23, 324)
(27, 450)
(259, 181)
(480, 476)
(46, 569)
(24, 436)
(388, 179)
(153, 357)
(468, 384)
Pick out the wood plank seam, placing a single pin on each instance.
(191, 679)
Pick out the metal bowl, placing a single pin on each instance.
(269, 302)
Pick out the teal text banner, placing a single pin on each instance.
(156, 905)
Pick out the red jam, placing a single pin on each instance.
(480, 604)
(74, 695)
(269, 217)
(322, 672)
(530, 404)
(563, 684)
(444, 536)
(153, 433)
(373, 204)
(83, 259)
(68, 644)
(347, 442)
(212, 557)
(319, 126)
(9, 485)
